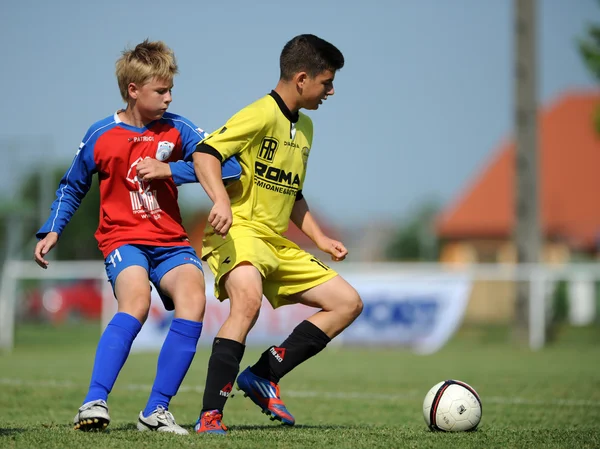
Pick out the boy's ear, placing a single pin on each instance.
(300, 78)
(132, 90)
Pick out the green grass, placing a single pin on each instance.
(343, 398)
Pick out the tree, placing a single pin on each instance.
(589, 47)
(416, 240)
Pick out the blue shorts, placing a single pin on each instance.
(157, 260)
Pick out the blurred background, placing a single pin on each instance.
(457, 160)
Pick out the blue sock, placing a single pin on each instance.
(111, 353)
(174, 360)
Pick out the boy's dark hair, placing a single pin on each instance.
(311, 54)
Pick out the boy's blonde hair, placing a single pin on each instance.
(146, 61)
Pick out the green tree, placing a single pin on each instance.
(415, 240)
(589, 47)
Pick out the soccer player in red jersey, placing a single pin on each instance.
(140, 154)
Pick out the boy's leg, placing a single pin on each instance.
(183, 281)
(244, 288)
(301, 278)
(340, 305)
(129, 277)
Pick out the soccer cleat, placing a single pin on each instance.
(92, 415)
(160, 420)
(265, 394)
(210, 422)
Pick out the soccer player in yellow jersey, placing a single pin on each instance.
(244, 245)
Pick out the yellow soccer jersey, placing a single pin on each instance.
(272, 146)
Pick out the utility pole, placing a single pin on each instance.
(527, 211)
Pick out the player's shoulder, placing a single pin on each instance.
(99, 128)
(265, 108)
(182, 123)
(305, 120)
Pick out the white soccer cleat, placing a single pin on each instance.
(161, 420)
(92, 415)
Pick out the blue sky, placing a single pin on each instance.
(423, 101)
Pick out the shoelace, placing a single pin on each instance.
(165, 414)
(212, 417)
(89, 405)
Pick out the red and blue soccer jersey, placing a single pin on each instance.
(131, 211)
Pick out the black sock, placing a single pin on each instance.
(305, 341)
(223, 368)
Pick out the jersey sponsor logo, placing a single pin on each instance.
(142, 203)
(133, 179)
(143, 200)
(276, 179)
(227, 260)
(267, 150)
(138, 139)
(276, 174)
(291, 144)
(164, 150)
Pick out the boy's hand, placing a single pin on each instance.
(150, 169)
(220, 218)
(43, 247)
(337, 249)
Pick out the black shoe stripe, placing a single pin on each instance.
(150, 426)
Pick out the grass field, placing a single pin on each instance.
(343, 398)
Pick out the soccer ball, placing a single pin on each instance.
(452, 406)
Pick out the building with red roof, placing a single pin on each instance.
(478, 225)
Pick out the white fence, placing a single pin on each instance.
(418, 295)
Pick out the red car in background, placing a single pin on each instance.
(75, 300)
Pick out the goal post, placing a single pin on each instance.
(17, 270)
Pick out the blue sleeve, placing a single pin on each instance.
(191, 136)
(72, 188)
(183, 171)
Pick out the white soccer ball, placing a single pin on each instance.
(452, 406)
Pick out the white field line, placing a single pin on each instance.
(409, 394)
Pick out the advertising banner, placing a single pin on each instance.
(416, 311)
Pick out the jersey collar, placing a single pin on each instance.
(284, 109)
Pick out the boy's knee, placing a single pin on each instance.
(191, 307)
(245, 304)
(355, 305)
(351, 305)
(138, 307)
(249, 307)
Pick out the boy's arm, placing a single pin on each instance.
(72, 188)
(224, 144)
(207, 164)
(183, 172)
(305, 221)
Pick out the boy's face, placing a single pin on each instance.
(316, 89)
(153, 98)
